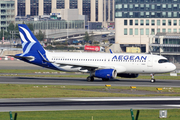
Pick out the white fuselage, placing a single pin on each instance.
(121, 62)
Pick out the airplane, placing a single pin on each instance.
(101, 65)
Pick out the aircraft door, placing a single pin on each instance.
(150, 61)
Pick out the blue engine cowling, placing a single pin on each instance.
(128, 75)
(105, 73)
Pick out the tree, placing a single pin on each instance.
(10, 27)
(30, 26)
(40, 36)
(86, 37)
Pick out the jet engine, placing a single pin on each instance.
(128, 75)
(105, 73)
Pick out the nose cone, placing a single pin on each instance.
(172, 67)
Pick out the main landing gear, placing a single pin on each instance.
(152, 78)
(90, 78)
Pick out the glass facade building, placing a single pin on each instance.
(60, 4)
(73, 4)
(47, 7)
(148, 24)
(95, 10)
(147, 9)
(21, 8)
(34, 7)
(87, 8)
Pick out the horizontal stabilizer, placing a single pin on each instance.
(22, 57)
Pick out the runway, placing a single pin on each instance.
(83, 81)
(49, 104)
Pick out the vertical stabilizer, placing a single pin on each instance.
(29, 42)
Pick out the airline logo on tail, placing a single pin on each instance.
(27, 40)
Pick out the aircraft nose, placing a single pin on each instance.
(173, 67)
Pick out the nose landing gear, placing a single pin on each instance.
(152, 78)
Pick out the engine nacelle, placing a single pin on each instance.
(128, 75)
(105, 73)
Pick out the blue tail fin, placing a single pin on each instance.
(30, 44)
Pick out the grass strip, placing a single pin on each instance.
(53, 73)
(57, 91)
(172, 114)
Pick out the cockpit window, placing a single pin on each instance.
(163, 61)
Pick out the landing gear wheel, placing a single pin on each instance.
(90, 79)
(105, 79)
(153, 80)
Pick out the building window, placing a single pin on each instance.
(136, 31)
(175, 30)
(169, 30)
(152, 14)
(147, 31)
(141, 14)
(147, 7)
(158, 22)
(142, 22)
(136, 22)
(163, 7)
(179, 30)
(152, 7)
(163, 30)
(130, 31)
(163, 14)
(169, 22)
(147, 15)
(175, 22)
(152, 22)
(125, 22)
(169, 7)
(136, 7)
(152, 31)
(141, 7)
(119, 6)
(164, 22)
(142, 31)
(169, 14)
(119, 14)
(147, 22)
(130, 22)
(175, 14)
(125, 31)
(131, 7)
(158, 30)
(130, 14)
(158, 7)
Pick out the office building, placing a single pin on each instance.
(7, 10)
(96, 10)
(137, 22)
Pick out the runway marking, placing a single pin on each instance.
(172, 105)
(125, 99)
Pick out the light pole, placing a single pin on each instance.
(67, 28)
(47, 30)
(3, 37)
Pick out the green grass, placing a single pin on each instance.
(54, 73)
(57, 91)
(173, 114)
